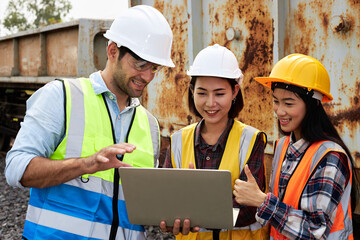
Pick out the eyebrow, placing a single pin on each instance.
(285, 99)
(204, 89)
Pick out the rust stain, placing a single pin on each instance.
(7, 57)
(180, 77)
(350, 115)
(346, 116)
(60, 52)
(167, 103)
(297, 41)
(325, 20)
(159, 5)
(255, 58)
(357, 161)
(29, 55)
(216, 17)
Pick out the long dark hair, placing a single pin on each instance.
(236, 107)
(316, 126)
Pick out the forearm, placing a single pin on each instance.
(291, 222)
(318, 203)
(43, 172)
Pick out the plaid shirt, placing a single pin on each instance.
(319, 201)
(209, 157)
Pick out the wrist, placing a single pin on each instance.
(261, 199)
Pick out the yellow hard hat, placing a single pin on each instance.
(300, 70)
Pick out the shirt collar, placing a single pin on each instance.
(299, 146)
(100, 87)
(221, 141)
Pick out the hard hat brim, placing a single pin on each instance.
(267, 81)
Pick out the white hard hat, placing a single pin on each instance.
(216, 61)
(145, 31)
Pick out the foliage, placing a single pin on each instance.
(25, 14)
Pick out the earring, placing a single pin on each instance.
(233, 101)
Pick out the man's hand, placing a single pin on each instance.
(106, 158)
(44, 172)
(248, 193)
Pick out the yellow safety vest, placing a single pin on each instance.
(85, 206)
(234, 159)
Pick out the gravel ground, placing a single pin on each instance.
(13, 205)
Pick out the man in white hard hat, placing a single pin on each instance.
(76, 130)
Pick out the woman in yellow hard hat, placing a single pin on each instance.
(219, 141)
(311, 178)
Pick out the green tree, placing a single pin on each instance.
(26, 14)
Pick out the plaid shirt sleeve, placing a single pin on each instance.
(318, 203)
(256, 165)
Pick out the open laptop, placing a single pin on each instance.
(155, 194)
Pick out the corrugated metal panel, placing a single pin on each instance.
(62, 52)
(197, 24)
(165, 96)
(260, 33)
(330, 32)
(7, 57)
(29, 55)
(251, 24)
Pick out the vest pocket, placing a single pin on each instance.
(75, 198)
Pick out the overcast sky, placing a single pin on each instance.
(100, 9)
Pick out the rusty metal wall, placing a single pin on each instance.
(260, 33)
(330, 32)
(7, 57)
(245, 27)
(62, 49)
(166, 95)
(29, 55)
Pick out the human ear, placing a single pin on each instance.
(112, 51)
(236, 90)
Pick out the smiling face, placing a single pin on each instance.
(213, 98)
(129, 80)
(290, 110)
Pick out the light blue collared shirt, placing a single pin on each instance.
(43, 127)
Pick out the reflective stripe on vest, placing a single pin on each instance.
(83, 207)
(241, 140)
(303, 172)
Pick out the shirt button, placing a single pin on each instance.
(111, 97)
(207, 158)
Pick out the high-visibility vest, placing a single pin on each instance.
(239, 145)
(342, 226)
(86, 207)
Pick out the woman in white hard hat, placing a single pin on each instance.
(218, 141)
(311, 179)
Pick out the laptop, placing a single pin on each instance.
(154, 194)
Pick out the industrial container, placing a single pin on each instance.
(32, 58)
(258, 32)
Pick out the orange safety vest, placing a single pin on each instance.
(342, 226)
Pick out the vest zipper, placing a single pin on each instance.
(115, 208)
